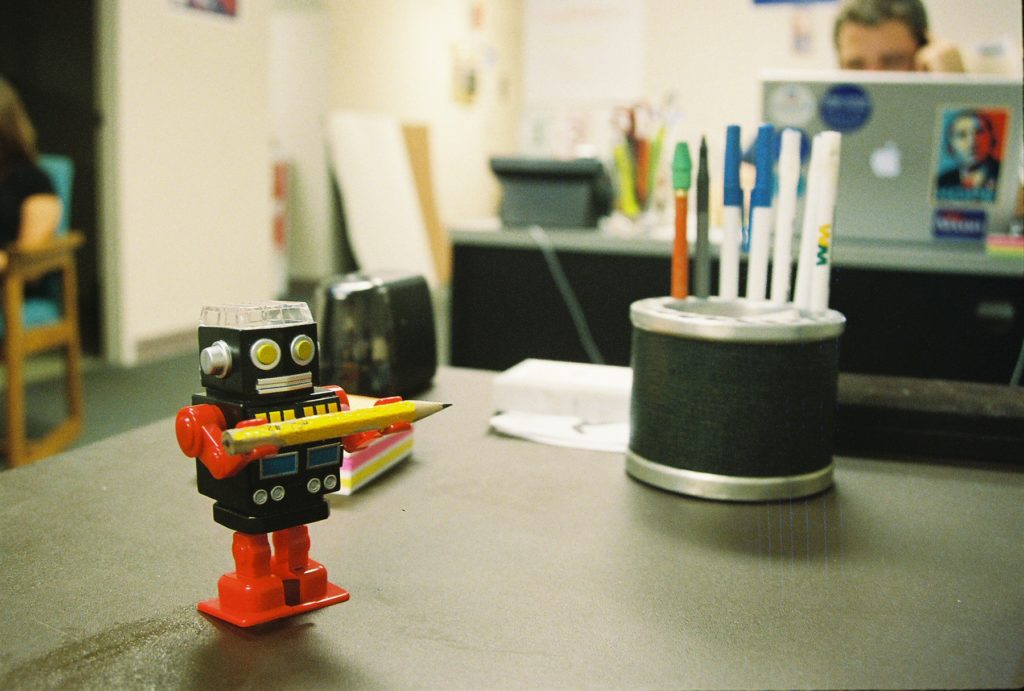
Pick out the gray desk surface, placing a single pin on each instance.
(934, 257)
(493, 562)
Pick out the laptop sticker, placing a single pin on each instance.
(960, 224)
(970, 155)
(791, 105)
(887, 160)
(845, 107)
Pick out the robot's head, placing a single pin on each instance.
(258, 349)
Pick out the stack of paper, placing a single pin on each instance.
(564, 404)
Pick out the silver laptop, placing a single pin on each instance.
(924, 156)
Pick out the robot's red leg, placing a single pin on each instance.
(251, 594)
(252, 555)
(305, 580)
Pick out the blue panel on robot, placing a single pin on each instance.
(323, 455)
(276, 466)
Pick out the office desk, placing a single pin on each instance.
(493, 562)
(946, 311)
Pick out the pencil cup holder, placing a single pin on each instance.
(732, 399)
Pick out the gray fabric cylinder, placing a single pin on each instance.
(733, 400)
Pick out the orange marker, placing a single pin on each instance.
(681, 166)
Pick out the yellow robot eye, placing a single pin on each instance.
(303, 350)
(265, 354)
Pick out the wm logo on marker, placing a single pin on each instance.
(824, 233)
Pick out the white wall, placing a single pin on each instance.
(299, 85)
(185, 139)
(709, 54)
(397, 57)
(973, 22)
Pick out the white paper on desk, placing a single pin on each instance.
(561, 430)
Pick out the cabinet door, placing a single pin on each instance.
(967, 328)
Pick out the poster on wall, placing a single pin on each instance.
(801, 25)
(225, 8)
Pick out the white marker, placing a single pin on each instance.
(825, 222)
(808, 239)
(761, 214)
(789, 180)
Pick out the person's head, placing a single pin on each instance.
(880, 34)
(970, 138)
(17, 136)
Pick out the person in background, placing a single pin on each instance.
(29, 208)
(891, 35)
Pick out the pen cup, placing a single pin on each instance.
(733, 399)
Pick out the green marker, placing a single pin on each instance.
(681, 167)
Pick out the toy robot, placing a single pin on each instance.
(260, 365)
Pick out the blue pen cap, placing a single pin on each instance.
(732, 193)
(764, 157)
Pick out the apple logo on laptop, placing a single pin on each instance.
(885, 160)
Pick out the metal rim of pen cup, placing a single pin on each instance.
(735, 320)
(720, 487)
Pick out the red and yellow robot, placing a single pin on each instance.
(268, 443)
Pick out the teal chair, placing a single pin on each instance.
(43, 318)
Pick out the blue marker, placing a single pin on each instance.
(732, 198)
(761, 214)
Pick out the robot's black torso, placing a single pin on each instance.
(262, 361)
(279, 491)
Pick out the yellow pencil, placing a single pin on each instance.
(327, 426)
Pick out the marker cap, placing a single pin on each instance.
(681, 167)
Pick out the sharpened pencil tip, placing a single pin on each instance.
(427, 408)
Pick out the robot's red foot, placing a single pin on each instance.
(305, 580)
(253, 595)
(303, 585)
(245, 602)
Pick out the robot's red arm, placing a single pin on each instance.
(354, 442)
(199, 428)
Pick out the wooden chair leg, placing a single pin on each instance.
(17, 440)
(76, 396)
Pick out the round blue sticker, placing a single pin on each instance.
(845, 107)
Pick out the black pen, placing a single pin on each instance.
(702, 272)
